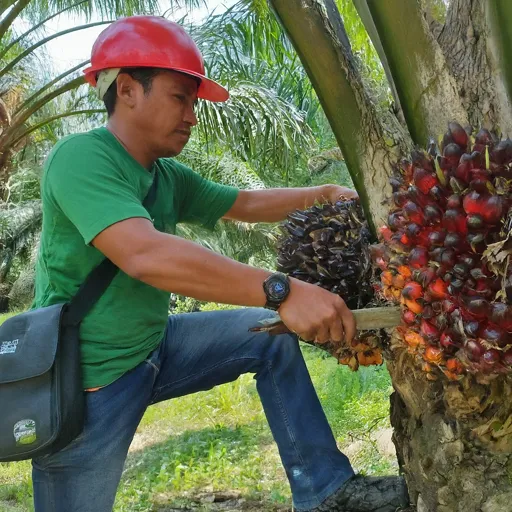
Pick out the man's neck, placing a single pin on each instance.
(131, 142)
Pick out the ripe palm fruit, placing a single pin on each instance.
(457, 300)
(329, 246)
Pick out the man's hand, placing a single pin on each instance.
(316, 314)
(339, 193)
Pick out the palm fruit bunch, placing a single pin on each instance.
(328, 245)
(445, 257)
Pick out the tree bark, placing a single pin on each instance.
(370, 142)
(428, 93)
(453, 439)
(472, 52)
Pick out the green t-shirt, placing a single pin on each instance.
(89, 183)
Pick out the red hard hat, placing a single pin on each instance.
(153, 42)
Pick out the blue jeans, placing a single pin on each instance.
(199, 351)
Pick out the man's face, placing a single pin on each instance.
(165, 116)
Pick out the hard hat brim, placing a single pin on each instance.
(208, 89)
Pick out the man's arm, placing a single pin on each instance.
(273, 205)
(176, 265)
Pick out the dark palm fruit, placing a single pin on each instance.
(501, 152)
(501, 315)
(479, 185)
(455, 286)
(493, 209)
(477, 307)
(453, 240)
(448, 258)
(428, 312)
(507, 357)
(448, 306)
(460, 269)
(413, 212)
(496, 336)
(329, 245)
(484, 138)
(455, 221)
(396, 183)
(459, 135)
(476, 241)
(416, 196)
(452, 153)
(418, 257)
(475, 222)
(400, 197)
(413, 230)
(395, 221)
(474, 350)
(491, 356)
(432, 214)
(454, 202)
(437, 253)
(462, 171)
(436, 238)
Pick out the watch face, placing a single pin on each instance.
(277, 289)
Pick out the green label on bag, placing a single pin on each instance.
(25, 432)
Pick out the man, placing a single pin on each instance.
(149, 73)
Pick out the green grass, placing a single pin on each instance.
(3, 318)
(219, 441)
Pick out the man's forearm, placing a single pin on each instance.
(273, 205)
(183, 267)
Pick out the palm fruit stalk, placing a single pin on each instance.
(445, 251)
(328, 245)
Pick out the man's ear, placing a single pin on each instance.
(128, 90)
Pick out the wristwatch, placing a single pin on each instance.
(276, 288)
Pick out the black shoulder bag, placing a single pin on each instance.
(41, 393)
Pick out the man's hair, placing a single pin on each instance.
(144, 76)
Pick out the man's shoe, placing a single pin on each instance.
(368, 494)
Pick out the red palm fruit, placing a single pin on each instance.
(423, 238)
(474, 202)
(385, 233)
(501, 315)
(405, 240)
(458, 134)
(477, 160)
(455, 221)
(414, 306)
(496, 336)
(453, 365)
(428, 330)
(427, 367)
(400, 197)
(398, 281)
(477, 307)
(432, 214)
(413, 339)
(507, 357)
(418, 257)
(454, 202)
(448, 306)
(396, 221)
(412, 291)
(493, 209)
(436, 238)
(424, 180)
(404, 271)
(438, 289)
(452, 153)
(491, 357)
(413, 212)
(482, 288)
(408, 316)
(378, 250)
(386, 278)
(433, 354)
(474, 350)
(475, 222)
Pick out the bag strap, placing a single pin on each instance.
(100, 277)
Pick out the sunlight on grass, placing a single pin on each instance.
(219, 440)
